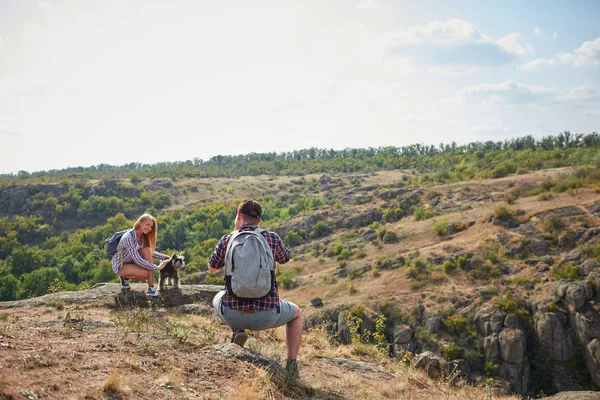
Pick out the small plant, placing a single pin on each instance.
(441, 228)
(506, 304)
(491, 369)
(178, 331)
(452, 351)
(379, 335)
(55, 286)
(462, 261)
(505, 213)
(456, 324)
(421, 214)
(565, 271)
(449, 267)
(554, 224)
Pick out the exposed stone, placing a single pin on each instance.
(403, 333)
(316, 302)
(552, 335)
(491, 347)
(538, 247)
(344, 328)
(252, 357)
(459, 367)
(430, 363)
(592, 358)
(512, 345)
(433, 324)
(511, 321)
(588, 266)
(517, 375)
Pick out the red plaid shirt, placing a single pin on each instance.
(281, 255)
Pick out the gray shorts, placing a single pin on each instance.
(257, 321)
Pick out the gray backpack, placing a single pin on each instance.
(249, 265)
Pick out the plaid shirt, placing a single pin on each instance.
(280, 254)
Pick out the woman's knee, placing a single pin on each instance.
(146, 253)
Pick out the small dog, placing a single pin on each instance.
(170, 272)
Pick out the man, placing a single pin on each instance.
(263, 313)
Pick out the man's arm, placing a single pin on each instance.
(216, 261)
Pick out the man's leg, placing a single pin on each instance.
(293, 335)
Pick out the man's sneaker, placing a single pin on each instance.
(239, 337)
(125, 283)
(152, 291)
(291, 369)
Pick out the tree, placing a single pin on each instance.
(36, 283)
(24, 259)
(9, 286)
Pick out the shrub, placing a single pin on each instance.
(506, 304)
(441, 228)
(421, 214)
(292, 239)
(565, 271)
(449, 267)
(461, 226)
(554, 224)
(452, 351)
(321, 229)
(492, 369)
(456, 324)
(505, 213)
(462, 261)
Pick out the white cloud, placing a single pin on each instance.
(455, 70)
(513, 43)
(2, 43)
(554, 35)
(456, 42)
(537, 64)
(582, 93)
(509, 92)
(537, 31)
(587, 54)
(591, 113)
(452, 31)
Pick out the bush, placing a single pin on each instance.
(441, 228)
(449, 267)
(554, 224)
(456, 324)
(505, 213)
(492, 369)
(292, 239)
(321, 229)
(452, 351)
(565, 271)
(421, 214)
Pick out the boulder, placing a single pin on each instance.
(512, 345)
(430, 363)
(491, 347)
(592, 358)
(552, 335)
(517, 375)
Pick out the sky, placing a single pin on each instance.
(89, 82)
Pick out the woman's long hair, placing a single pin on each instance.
(150, 238)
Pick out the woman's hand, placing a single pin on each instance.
(163, 264)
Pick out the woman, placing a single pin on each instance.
(136, 250)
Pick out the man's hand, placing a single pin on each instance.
(213, 270)
(163, 264)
